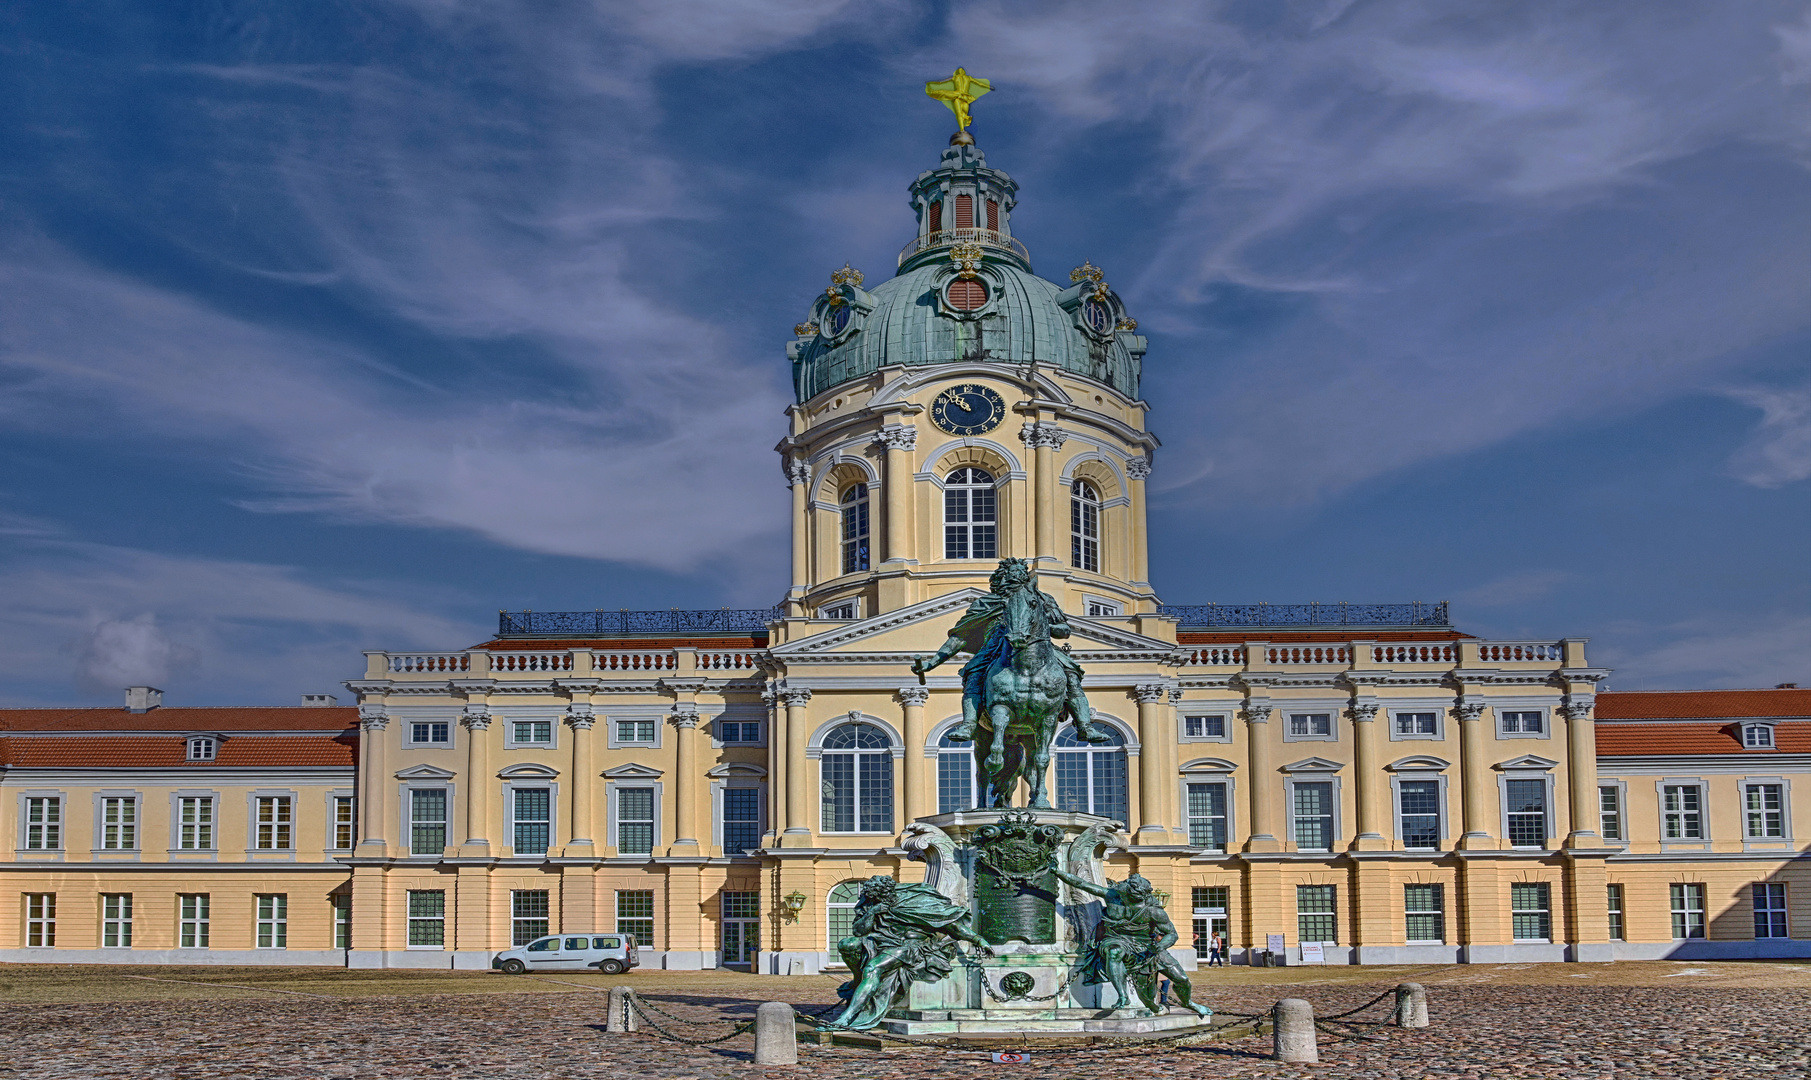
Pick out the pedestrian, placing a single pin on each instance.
(1216, 951)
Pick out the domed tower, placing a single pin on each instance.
(963, 411)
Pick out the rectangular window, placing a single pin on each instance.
(342, 921)
(1314, 817)
(1417, 723)
(635, 731)
(1207, 816)
(1688, 910)
(201, 749)
(1682, 812)
(1424, 910)
(430, 733)
(533, 820)
(839, 611)
(1316, 919)
(40, 920)
(533, 732)
(1311, 724)
(275, 821)
(855, 529)
(192, 920)
(993, 215)
(635, 915)
(1757, 735)
(1609, 812)
(968, 516)
(1521, 723)
(1420, 813)
(1614, 901)
(1530, 917)
(116, 920)
(427, 821)
(955, 776)
(1527, 812)
(44, 824)
(965, 211)
(1084, 532)
(741, 820)
(273, 920)
(195, 824)
(741, 915)
(119, 824)
(1770, 910)
(1765, 806)
(427, 917)
(635, 821)
(345, 821)
(743, 731)
(936, 217)
(1204, 727)
(528, 920)
(1210, 904)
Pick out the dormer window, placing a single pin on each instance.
(1757, 736)
(202, 748)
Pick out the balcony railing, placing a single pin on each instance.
(1192, 616)
(948, 237)
(672, 621)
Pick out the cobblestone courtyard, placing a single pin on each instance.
(1700, 1021)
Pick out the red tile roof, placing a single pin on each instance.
(184, 718)
(1701, 704)
(168, 752)
(1614, 739)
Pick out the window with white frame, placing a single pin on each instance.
(1084, 527)
(969, 508)
(1420, 804)
(1313, 805)
(273, 920)
(1424, 912)
(1522, 722)
(742, 732)
(119, 824)
(1757, 736)
(40, 920)
(1091, 777)
(192, 920)
(532, 826)
(839, 911)
(1417, 723)
(528, 915)
(1770, 909)
(431, 733)
(1310, 725)
(195, 823)
(1764, 811)
(116, 920)
(1101, 609)
(857, 772)
(846, 609)
(1609, 812)
(957, 782)
(1317, 918)
(635, 820)
(855, 528)
(275, 818)
(427, 821)
(1681, 812)
(44, 823)
(1211, 904)
(741, 820)
(1526, 812)
(635, 915)
(1688, 909)
(1207, 816)
(427, 917)
(345, 822)
(532, 732)
(1613, 902)
(201, 748)
(1212, 726)
(636, 731)
(1530, 911)
(342, 920)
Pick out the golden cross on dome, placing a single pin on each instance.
(959, 91)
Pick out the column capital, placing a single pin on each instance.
(795, 696)
(373, 718)
(1578, 708)
(1149, 693)
(911, 696)
(1138, 468)
(1038, 434)
(1469, 710)
(1257, 714)
(579, 716)
(797, 471)
(685, 715)
(898, 437)
(475, 717)
(1364, 712)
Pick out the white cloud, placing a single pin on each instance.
(130, 652)
(1779, 451)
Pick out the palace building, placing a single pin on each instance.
(1366, 778)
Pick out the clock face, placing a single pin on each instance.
(967, 409)
(1098, 316)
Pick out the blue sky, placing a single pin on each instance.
(335, 326)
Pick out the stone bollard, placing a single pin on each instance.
(622, 1015)
(776, 1035)
(1292, 1027)
(1411, 1006)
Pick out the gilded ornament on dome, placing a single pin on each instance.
(959, 91)
(805, 329)
(967, 256)
(1127, 325)
(848, 275)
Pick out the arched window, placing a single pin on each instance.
(857, 770)
(968, 515)
(1091, 777)
(839, 911)
(936, 217)
(1084, 527)
(855, 529)
(957, 785)
(965, 211)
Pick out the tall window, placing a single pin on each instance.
(527, 915)
(1315, 916)
(40, 920)
(956, 779)
(1765, 806)
(1311, 724)
(1688, 909)
(1314, 816)
(1091, 777)
(857, 769)
(533, 808)
(1682, 812)
(275, 821)
(192, 920)
(1424, 912)
(635, 821)
(273, 920)
(1530, 916)
(195, 824)
(44, 824)
(1609, 812)
(1417, 723)
(1084, 527)
(345, 821)
(427, 917)
(839, 911)
(936, 217)
(1770, 910)
(855, 529)
(969, 515)
(116, 920)
(1614, 903)
(533, 732)
(119, 824)
(1210, 910)
(1207, 816)
(1527, 812)
(741, 915)
(635, 915)
(1522, 723)
(427, 821)
(965, 211)
(741, 820)
(342, 920)
(1420, 813)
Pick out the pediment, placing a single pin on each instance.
(528, 770)
(1527, 761)
(633, 771)
(425, 772)
(922, 627)
(735, 768)
(1419, 761)
(1314, 764)
(1209, 764)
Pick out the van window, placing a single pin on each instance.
(551, 944)
(575, 944)
(606, 943)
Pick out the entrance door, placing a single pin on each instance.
(741, 915)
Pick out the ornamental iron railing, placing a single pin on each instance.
(1342, 614)
(949, 237)
(671, 621)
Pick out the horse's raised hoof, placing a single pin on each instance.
(1090, 733)
(961, 733)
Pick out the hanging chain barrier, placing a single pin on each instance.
(980, 970)
(648, 1010)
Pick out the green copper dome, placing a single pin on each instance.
(965, 292)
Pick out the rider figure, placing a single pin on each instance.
(982, 632)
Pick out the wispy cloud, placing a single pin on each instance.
(1779, 451)
(1711, 651)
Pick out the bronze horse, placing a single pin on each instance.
(1025, 696)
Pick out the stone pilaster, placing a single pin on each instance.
(798, 819)
(580, 719)
(374, 792)
(475, 719)
(1262, 786)
(917, 786)
(1581, 771)
(1138, 470)
(1153, 699)
(1480, 786)
(1368, 780)
(798, 477)
(685, 781)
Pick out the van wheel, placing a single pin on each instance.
(514, 967)
(611, 967)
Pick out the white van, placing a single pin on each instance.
(611, 954)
